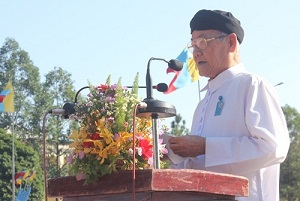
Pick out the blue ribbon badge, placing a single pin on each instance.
(219, 106)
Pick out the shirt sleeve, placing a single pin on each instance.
(268, 142)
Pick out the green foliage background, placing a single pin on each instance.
(26, 158)
(290, 168)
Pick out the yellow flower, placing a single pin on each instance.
(104, 132)
(103, 156)
(99, 143)
(75, 135)
(78, 137)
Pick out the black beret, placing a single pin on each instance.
(217, 20)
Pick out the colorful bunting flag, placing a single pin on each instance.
(7, 99)
(187, 75)
(24, 180)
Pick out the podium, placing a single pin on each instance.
(152, 185)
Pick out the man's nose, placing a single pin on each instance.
(198, 52)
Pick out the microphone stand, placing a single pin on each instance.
(154, 110)
(156, 159)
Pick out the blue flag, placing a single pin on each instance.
(187, 75)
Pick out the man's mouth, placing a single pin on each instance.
(201, 62)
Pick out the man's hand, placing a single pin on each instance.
(188, 146)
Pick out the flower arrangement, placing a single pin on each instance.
(104, 141)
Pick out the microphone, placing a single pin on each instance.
(161, 87)
(69, 109)
(56, 111)
(175, 64)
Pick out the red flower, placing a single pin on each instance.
(94, 136)
(146, 148)
(103, 87)
(87, 144)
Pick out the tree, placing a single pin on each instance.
(25, 158)
(32, 100)
(60, 89)
(16, 66)
(290, 168)
(179, 129)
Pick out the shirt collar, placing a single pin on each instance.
(223, 77)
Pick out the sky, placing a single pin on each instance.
(94, 39)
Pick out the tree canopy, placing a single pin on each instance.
(33, 99)
(290, 168)
(26, 158)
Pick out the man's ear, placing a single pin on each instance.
(233, 42)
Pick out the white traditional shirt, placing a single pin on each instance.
(246, 134)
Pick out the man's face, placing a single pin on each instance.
(214, 58)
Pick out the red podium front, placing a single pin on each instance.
(153, 184)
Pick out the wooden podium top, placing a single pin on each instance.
(152, 180)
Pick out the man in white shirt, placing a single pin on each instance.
(238, 127)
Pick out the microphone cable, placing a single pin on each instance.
(133, 152)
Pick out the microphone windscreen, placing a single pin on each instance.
(69, 108)
(175, 64)
(162, 87)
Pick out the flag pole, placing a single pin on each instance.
(13, 162)
(7, 105)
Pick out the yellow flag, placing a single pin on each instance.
(7, 99)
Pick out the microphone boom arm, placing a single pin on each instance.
(149, 79)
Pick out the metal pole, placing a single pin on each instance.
(13, 163)
(44, 156)
(280, 83)
(156, 159)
